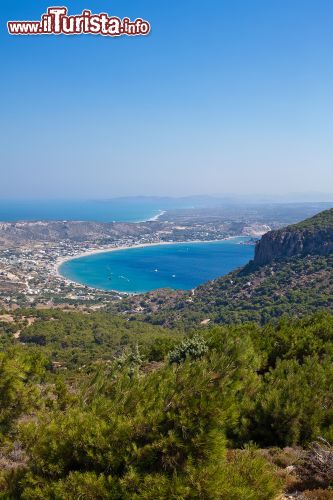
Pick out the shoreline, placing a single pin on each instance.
(60, 261)
(155, 217)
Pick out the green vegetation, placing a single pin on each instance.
(179, 421)
(293, 287)
(96, 406)
(75, 339)
(321, 221)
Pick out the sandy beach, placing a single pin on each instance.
(156, 217)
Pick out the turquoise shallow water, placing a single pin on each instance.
(177, 266)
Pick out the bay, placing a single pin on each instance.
(177, 266)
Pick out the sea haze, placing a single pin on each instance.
(129, 209)
(142, 208)
(102, 211)
(178, 266)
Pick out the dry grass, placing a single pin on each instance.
(316, 467)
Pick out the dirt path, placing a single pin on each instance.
(30, 322)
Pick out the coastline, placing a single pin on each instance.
(108, 249)
(155, 217)
(113, 248)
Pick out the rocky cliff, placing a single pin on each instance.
(311, 237)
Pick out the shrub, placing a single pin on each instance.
(192, 348)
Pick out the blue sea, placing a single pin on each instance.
(177, 266)
(120, 210)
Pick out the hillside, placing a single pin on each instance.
(97, 406)
(128, 413)
(296, 278)
(53, 231)
(313, 236)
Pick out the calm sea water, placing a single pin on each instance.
(177, 266)
(103, 211)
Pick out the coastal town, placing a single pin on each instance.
(31, 252)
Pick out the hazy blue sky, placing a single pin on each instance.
(223, 96)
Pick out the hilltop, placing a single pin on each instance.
(313, 236)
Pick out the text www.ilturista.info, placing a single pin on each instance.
(57, 22)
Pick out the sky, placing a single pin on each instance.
(223, 96)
